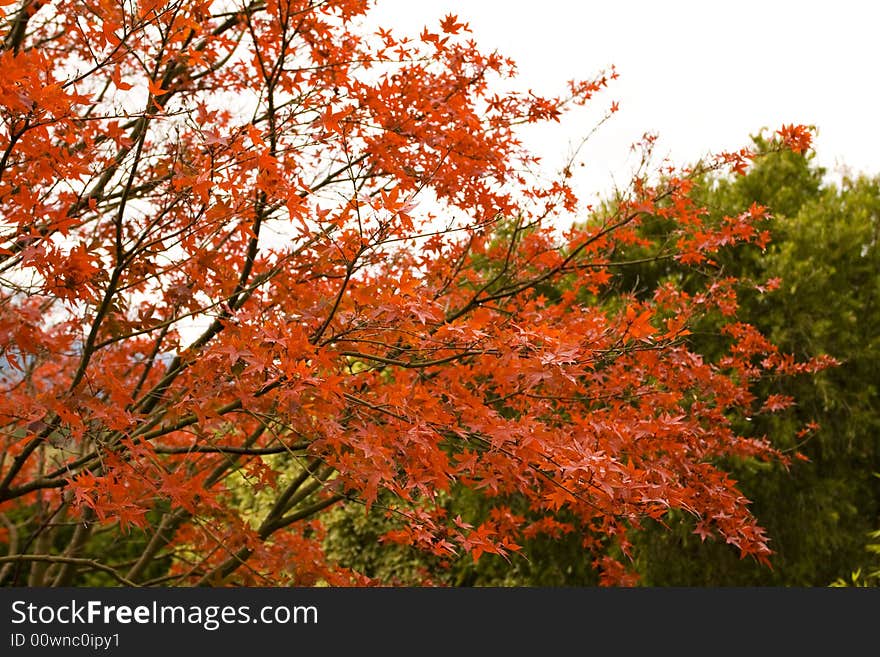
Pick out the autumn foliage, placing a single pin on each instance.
(252, 251)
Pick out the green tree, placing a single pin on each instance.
(826, 258)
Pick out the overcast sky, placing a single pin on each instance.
(702, 75)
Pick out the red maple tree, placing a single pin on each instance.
(212, 255)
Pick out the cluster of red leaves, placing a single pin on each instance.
(254, 173)
(797, 138)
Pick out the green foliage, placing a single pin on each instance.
(355, 538)
(869, 578)
(825, 251)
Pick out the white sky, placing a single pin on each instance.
(702, 75)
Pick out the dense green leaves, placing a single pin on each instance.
(825, 254)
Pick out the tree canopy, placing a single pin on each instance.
(824, 259)
(223, 312)
(814, 290)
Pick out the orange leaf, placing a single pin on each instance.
(156, 90)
